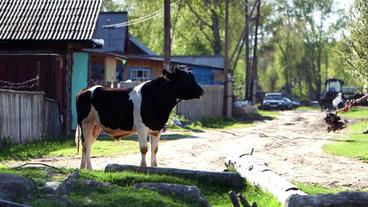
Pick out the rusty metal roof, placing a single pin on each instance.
(48, 19)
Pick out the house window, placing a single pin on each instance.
(140, 74)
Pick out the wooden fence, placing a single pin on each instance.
(26, 116)
(209, 105)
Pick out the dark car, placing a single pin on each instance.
(288, 104)
(273, 101)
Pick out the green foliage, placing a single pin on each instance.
(5, 141)
(354, 47)
(111, 5)
(297, 45)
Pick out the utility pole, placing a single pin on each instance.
(167, 35)
(254, 62)
(247, 59)
(226, 112)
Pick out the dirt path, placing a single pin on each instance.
(291, 145)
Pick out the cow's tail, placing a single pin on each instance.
(78, 134)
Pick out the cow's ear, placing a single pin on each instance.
(166, 74)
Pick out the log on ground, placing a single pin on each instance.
(226, 178)
(343, 199)
(257, 173)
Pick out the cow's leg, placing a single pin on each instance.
(142, 138)
(90, 132)
(154, 148)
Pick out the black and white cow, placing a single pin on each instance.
(143, 109)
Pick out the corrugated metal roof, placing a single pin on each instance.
(114, 38)
(48, 19)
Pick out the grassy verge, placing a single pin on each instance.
(356, 113)
(124, 194)
(66, 148)
(314, 189)
(352, 144)
(308, 108)
(103, 147)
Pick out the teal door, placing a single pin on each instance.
(79, 80)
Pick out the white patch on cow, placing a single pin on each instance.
(136, 97)
(93, 88)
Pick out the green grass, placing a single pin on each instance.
(356, 113)
(123, 192)
(314, 189)
(268, 114)
(66, 148)
(308, 108)
(352, 144)
(103, 147)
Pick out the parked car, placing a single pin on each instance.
(288, 104)
(273, 101)
(296, 104)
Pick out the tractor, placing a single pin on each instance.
(332, 88)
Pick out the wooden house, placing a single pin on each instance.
(124, 57)
(207, 69)
(45, 39)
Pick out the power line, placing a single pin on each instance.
(142, 19)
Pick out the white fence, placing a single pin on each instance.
(27, 116)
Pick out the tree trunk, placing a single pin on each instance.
(216, 33)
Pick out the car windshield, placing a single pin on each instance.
(273, 97)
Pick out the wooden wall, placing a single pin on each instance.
(209, 105)
(26, 116)
(156, 67)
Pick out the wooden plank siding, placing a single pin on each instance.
(27, 116)
(155, 66)
(209, 105)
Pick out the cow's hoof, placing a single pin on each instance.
(143, 164)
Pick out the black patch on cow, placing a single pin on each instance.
(158, 99)
(83, 105)
(184, 84)
(114, 108)
(160, 96)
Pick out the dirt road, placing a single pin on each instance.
(291, 145)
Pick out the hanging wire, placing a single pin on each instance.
(142, 19)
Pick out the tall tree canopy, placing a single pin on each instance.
(354, 47)
(297, 41)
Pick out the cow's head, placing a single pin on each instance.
(183, 82)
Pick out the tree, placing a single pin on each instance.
(354, 48)
(111, 5)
